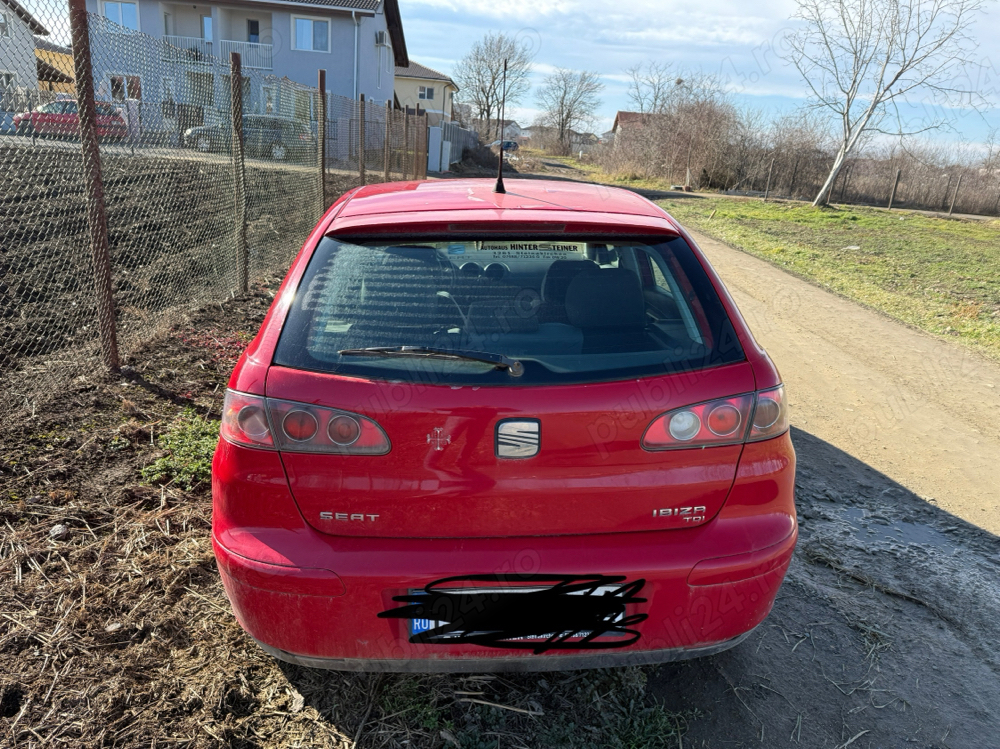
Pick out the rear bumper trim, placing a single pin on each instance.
(515, 663)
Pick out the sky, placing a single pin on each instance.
(734, 38)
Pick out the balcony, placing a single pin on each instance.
(252, 55)
(187, 49)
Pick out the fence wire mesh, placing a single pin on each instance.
(191, 219)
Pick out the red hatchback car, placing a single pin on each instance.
(520, 431)
(62, 119)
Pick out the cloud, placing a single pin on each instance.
(732, 38)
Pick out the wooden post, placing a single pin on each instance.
(97, 217)
(321, 141)
(767, 189)
(239, 173)
(954, 195)
(895, 186)
(406, 144)
(388, 139)
(361, 139)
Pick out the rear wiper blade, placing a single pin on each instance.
(499, 361)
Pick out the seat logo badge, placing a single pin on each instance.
(439, 439)
(519, 439)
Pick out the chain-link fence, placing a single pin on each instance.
(144, 176)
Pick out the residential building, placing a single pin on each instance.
(18, 67)
(431, 91)
(167, 52)
(55, 66)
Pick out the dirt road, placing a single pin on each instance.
(884, 633)
(920, 410)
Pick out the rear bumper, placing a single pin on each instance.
(507, 663)
(315, 599)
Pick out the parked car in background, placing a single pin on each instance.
(484, 432)
(61, 119)
(266, 136)
(508, 145)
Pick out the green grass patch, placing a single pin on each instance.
(189, 444)
(939, 275)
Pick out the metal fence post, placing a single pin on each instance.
(97, 216)
(424, 143)
(239, 173)
(767, 188)
(361, 139)
(388, 139)
(406, 144)
(954, 196)
(895, 186)
(321, 141)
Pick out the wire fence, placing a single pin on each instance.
(717, 151)
(144, 177)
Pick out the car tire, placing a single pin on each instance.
(203, 143)
(278, 152)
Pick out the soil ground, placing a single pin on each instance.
(115, 630)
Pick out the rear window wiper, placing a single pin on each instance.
(499, 361)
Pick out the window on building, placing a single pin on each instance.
(253, 31)
(4, 25)
(206, 28)
(168, 24)
(312, 34)
(426, 92)
(124, 14)
(125, 87)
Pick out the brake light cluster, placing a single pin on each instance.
(288, 426)
(726, 421)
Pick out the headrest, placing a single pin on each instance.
(609, 299)
(560, 275)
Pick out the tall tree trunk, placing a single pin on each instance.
(823, 198)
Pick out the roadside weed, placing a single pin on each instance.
(189, 444)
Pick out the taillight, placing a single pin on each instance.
(724, 421)
(298, 427)
(303, 428)
(717, 422)
(770, 417)
(244, 420)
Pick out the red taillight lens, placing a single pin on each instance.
(344, 430)
(313, 429)
(299, 427)
(727, 421)
(770, 417)
(718, 422)
(244, 420)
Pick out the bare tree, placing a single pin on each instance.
(480, 76)
(569, 101)
(862, 59)
(649, 89)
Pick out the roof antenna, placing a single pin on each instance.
(503, 113)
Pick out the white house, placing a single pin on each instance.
(358, 42)
(18, 67)
(433, 92)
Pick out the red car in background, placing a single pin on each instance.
(61, 119)
(521, 431)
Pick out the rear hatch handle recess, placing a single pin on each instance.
(499, 361)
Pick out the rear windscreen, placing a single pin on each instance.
(566, 311)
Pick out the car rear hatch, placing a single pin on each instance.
(609, 336)
(443, 476)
